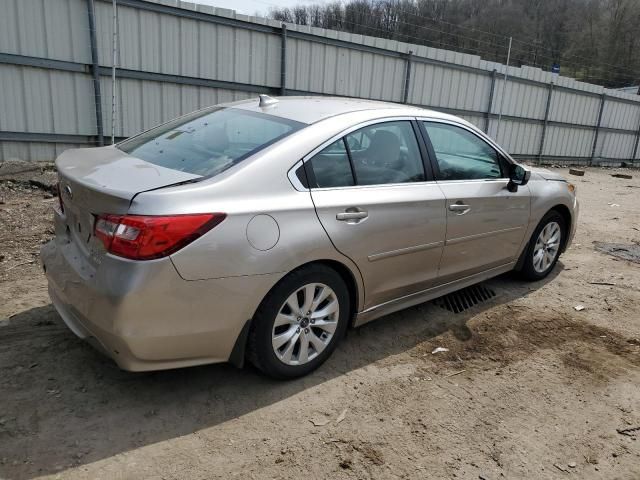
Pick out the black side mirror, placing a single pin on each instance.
(518, 176)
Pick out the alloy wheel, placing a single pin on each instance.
(547, 247)
(305, 324)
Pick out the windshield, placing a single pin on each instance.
(210, 141)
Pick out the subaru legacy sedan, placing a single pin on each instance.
(264, 229)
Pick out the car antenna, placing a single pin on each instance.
(266, 101)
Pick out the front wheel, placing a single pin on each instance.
(299, 323)
(544, 247)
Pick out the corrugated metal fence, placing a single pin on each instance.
(175, 57)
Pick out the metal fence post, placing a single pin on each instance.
(503, 93)
(114, 58)
(603, 98)
(635, 148)
(407, 77)
(97, 97)
(545, 123)
(283, 62)
(487, 116)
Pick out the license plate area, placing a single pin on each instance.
(79, 224)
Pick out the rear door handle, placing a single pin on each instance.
(352, 215)
(459, 208)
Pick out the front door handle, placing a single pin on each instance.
(352, 215)
(459, 208)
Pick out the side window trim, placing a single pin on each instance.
(425, 153)
(432, 153)
(299, 177)
(354, 175)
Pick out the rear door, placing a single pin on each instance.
(486, 222)
(380, 207)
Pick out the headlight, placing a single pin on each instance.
(572, 188)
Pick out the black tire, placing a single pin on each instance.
(528, 271)
(260, 351)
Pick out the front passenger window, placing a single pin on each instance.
(461, 155)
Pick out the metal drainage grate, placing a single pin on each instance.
(461, 300)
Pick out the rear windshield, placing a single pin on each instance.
(210, 141)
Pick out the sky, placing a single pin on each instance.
(251, 7)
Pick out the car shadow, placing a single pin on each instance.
(65, 404)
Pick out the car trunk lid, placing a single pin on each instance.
(95, 181)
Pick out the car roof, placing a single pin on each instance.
(313, 109)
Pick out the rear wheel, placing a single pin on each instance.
(544, 247)
(299, 323)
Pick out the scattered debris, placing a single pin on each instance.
(622, 175)
(629, 432)
(20, 264)
(335, 440)
(346, 464)
(611, 284)
(560, 467)
(579, 308)
(613, 204)
(456, 373)
(342, 416)
(572, 464)
(439, 349)
(320, 423)
(620, 250)
(576, 172)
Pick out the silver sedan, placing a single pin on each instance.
(264, 229)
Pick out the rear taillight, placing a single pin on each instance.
(141, 237)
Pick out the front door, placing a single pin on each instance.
(486, 222)
(379, 208)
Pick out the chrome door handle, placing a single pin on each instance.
(354, 216)
(459, 208)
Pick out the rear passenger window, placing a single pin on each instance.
(331, 167)
(385, 153)
(375, 155)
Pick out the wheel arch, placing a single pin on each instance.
(349, 279)
(355, 291)
(565, 213)
(354, 287)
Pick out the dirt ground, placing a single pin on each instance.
(530, 387)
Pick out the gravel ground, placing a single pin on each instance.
(530, 387)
